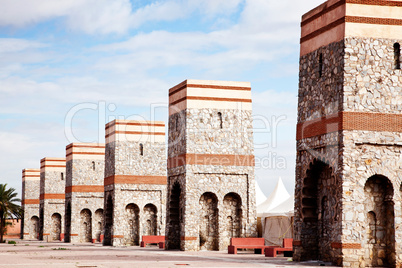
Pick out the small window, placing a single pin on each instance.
(397, 56)
(93, 165)
(220, 120)
(320, 66)
(141, 149)
(62, 176)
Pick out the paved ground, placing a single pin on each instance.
(42, 254)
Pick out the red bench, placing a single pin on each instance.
(257, 243)
(152, 239)
(287, 247)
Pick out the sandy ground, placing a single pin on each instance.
(42, 254)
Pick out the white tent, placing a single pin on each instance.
(259, 195)
(277, 197)
(277, 215)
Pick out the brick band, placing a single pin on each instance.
(30, 202)
(131, 179)
(52, 196)
(188, 238)
(73, 234)
(346, 245)
(180, 88)
(85, 189)
(211, 159)
(350, 121)
(117, 236)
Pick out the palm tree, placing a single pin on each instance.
(8, 209)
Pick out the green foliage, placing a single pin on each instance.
(12, 242)
(8, 208)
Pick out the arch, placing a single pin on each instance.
(319, 223)
(34, 227)
(85, 226)
(380, 231)
(174, 228)
(132, 234)
(108, 221)
(67, 221)
(98, 224)
(209, 224)
(56, 227)
(397, 56)
(150, 219)
(232, 217)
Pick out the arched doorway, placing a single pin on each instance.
(68, 223)
(98, 224)
(319, 211)
(380, 232)
(108, 221)
(174, 230)
(132, 234)
(85, 226)
(150, 219)
(232, 217)
(34, 230)
(56, 227)
(209, 227)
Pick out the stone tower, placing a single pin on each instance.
(135, 181)
(85, 168)
(211, 191)
(51, 199)
(30, 203)
(349, 135)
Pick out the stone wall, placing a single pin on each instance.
(52, 197)
(210, 167)
(135, 181)
(84, 192)
(30, 203)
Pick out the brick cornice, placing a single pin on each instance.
(133, 179)
(349, 121)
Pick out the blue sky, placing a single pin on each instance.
(69, 67)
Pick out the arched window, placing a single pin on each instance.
(320, 65)
(397, 56)
(220, 120)
(141, 149)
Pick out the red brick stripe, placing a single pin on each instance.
(323, 12)
(211, 159)
(30, 201)
(85, 189)
(83, 146)
(376, 2)
(117, 236)
(351, 19)
(110, 124)
(187, 238)
(132, 179)
(349, 121)
(207, 86)
(346, 245)
(52, 196)
(50, 166)
(209, 99)
(73, 234)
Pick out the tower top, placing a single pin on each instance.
(334, 20)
